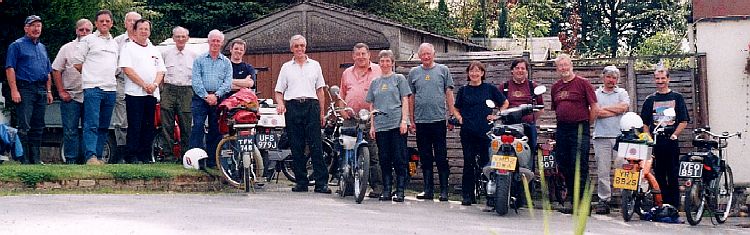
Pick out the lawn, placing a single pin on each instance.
(32, 174)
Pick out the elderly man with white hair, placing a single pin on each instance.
(211, 80)
(613, 102)
(575, 106)
(177, 90)
(120, 118)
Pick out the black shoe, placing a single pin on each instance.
(373, 194)
(399, 197)
(426, 196)
(443, 196)
(566, 210)
(602, 208)
(322, 189)
(385, 197)
(466, 202)
(299, 188)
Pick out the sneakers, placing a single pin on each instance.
(425, 195)
(94, 161)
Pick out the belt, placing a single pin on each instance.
(302, 99)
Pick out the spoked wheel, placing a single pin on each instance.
(723, 186)
(229, 161)
(694, 202)
(479, 186)
(161, 149)
(361, 173)
(288, 170)
(253, 168)
(628, 204)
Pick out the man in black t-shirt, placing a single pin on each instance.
(243, 74)
(667, 150)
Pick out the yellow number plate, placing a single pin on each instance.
(625, 179)
(503, 162)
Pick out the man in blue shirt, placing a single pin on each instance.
(212, 80)
(28, 70)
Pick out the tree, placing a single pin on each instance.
(612, 26)
(414, 13)
(503, 29)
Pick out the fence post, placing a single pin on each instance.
(632, 84)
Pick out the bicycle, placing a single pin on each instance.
(237, 154)
(710, 182)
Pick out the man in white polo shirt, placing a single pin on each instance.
(119, 117)
(142, 63)
(96, 59)
(300, 88)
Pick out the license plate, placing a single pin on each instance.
(246, 142)
(503, 162)
(268, 141)
(548, 161)
(625, 179)
(691, 169)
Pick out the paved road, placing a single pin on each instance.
(284, 212)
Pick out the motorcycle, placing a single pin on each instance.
(354, 155)
(554, 182)
(510, 164)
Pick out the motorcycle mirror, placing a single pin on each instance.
(334, 90)
(538, 90)
(490, 104)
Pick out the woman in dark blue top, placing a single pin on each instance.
(473, 115)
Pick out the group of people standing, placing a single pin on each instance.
(97, 75)
(100, 77)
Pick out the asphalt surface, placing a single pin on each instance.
(276, 210)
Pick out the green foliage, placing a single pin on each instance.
(612, 26)
(31, 178)
(414, 13)
(503, 29)
(532, 18)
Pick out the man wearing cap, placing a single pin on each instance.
(613, 103)
(28, 70)
(96, 59)
(68, 83)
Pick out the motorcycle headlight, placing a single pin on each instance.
(364, 114)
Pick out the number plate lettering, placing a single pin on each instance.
(625, 179)
(691, 169)
(246, 143)
(548, 161)
(503, 162)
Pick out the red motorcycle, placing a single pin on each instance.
(161, 149)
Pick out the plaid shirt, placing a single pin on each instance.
(211, 75)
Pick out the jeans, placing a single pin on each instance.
(303, 127)
(532, 133)
(71, 121)
(392, 150)
(473, 145)
(30, 113)
(571, 147)
(198, 139)
(175, 101)
(141, 127)
(666, 169)
(97, 106)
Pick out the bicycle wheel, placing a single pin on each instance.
(161, 149)
(229, 161)
(694, 202)
(361, 173)
(628, 204)
(724, 188)
(253, 168)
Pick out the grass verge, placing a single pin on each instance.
(33, 174)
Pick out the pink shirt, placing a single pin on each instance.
(354, 87)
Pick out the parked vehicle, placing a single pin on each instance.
(710, 182)
(238, 155)
(640, 190)
(510, 164)
(553, 188)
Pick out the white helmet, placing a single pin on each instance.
(192, 158)
(630, 120)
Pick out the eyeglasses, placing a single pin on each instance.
(84, 30)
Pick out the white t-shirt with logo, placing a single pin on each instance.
(146, 61)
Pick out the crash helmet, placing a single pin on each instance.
(193, 157)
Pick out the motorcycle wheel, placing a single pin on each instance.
(628, 204)
(694, 202)
(724, 188)
(288, 170)
(502, 193)
(361, 173)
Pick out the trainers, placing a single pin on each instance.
(94, 161)
(425, 196)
